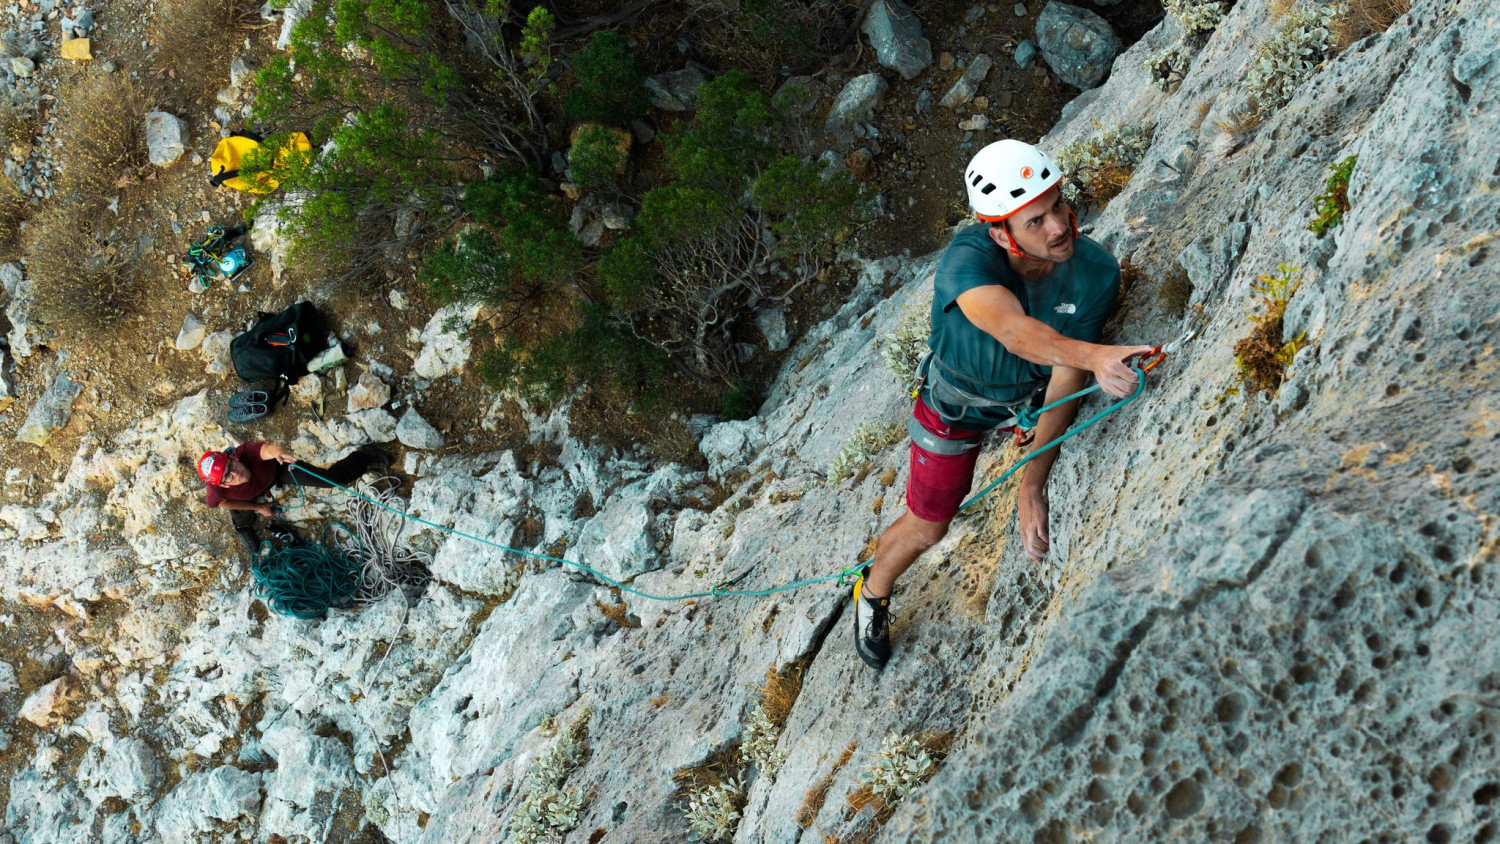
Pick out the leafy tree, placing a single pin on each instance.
(517, 250)
(611, 82)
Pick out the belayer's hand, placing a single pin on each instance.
(285, 457)
(1113, 372)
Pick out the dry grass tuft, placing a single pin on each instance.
(1365, 18)
(1176, 291)
(102, 129)
(812, 804)
(88, 279)
(1264, 355)
(1280, 8)
(618, 613)
(196, 41)
(780, 690)
(1243, 121)
(719, 768)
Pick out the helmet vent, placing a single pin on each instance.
(1018, 192)
(1046, 172)
(978, 177)
(987, 189)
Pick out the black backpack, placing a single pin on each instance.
(278, 346)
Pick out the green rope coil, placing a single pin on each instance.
(305, 581)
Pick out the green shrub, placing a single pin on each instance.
(1168, 66)
(730, 138)
(815, 206)
(867, 441)
(903, 349)
(610, 80)
(742, 400)
(597, 157)
(713, 812)
(547, 812)
(597, 348)
(1195, 16)
(518, 248)
(350, 193)
(1331, 204)
(626, 272)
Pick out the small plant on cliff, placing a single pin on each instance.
(903, 348)
(547, 812)
(1331, 204)
(1300, 45)
(1097, 169)
(905, 762)
(1168, 66)
(768, 717)
(714, 811)
(1194, 16)
(867, 441)
(1263, 356)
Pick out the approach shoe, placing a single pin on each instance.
(872, 625)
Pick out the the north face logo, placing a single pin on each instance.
(1066, 308)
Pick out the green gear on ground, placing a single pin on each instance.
(305, 581)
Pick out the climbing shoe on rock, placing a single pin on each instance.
(251, 542)
(376, 459)
(872, 624)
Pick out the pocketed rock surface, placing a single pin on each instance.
(1262, 618)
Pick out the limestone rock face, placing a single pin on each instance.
(854, 104)
(51, 411)
(1260, 618)
(415, 432)
(445, 341)
(1077, 44)
(896, 35)
(677, 90)
(166, 138)
(370, 392)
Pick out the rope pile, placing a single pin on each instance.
(360, 566)
(385, 564)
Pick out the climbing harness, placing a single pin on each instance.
(938, 378)
(725, 589)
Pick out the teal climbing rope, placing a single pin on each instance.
(1028, 420)
(305, 581)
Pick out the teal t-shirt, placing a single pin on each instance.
(1074, 299)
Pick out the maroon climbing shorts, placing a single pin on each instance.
(939, 482)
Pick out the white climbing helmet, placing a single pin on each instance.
(1007, 176)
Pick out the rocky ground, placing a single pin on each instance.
(1263, 617)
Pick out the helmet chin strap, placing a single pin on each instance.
(1015, 248)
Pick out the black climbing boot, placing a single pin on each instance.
(376, 459)
(251, 543)
(872, 625)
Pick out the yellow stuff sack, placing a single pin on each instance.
(225, 164)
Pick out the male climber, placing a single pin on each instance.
(1019, 302)
(239, 477)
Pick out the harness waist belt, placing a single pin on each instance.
(936, 444)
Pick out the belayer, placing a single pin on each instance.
(238, 479)
(1019, 303)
